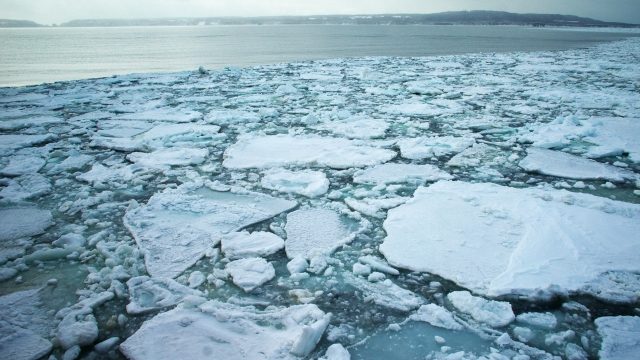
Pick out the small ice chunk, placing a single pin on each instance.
(315, 231)
(23, 164)
(71, 241)
(305, 182)
(378, 264)
(490, 312)
(196, 279)
(297, 265)
(164, 158)
(243, 244)
(361, 269)
(282, 150)
(9, 143)
(220, 329)
(148, 294)
(400, 173)
(540, 320)
(613, 136)
(385, 293)
(357, 127)
(561, 164)
(22, 222)
(437, 316)
(26, 187)
(106, 345)
(620, 337)
(523, 334)
(426, 147)
(336, 352)
(249, 273)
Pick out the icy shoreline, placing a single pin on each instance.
(268, 200)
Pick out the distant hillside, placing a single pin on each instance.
(6, 23)
(445, 18)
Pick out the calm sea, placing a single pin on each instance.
(32, 56)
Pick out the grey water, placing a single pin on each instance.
(39, 55)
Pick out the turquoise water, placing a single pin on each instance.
(37, 55)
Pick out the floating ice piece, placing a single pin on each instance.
(249, 273)
(540, 320)
(25, 187)
(374, 207)
(228, 332)
(148, 294)
(73, 162)
(437, 316)
(177, 226)
(357, 127)
(615, 286)
(479, 154)
(102, 174)
(385, 293)
(336, 352)
(164, 158)
(556, 134)
(495, 240)
(23, 164)
(315, 231)
(490, 312)
(378, 264)
(561, 164)
(157, 137)
(620, 337)
(21, 222)
(231, 116)
(34, 121)
(400, 173)
(24, 326)
(163, 114)
(614, 136)
(283, 150)
(9, 143)
(305, 182)
(426, 147)
(243, 244)
(422, 109)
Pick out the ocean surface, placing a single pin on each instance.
(33, 56)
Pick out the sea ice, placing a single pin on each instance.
(620, 337)
(25, 187)
(283, 150)
(164, 158)
(357, 127)
(243, 244)
(149, 294)
(177, 226)
(437, 316)
(490, 312)
(540, 320)
(495, 240)
(435, 146)
(24, 221)
(249, 273)
(400, 173)
(228, 331)
(561, 164)
(385, 293)
(614, 136)
(9, 143)
(23, 164)
(313, 232)
(305, 182)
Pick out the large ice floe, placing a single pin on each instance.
(497, 240)
(458, 207)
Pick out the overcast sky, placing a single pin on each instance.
(57, 11)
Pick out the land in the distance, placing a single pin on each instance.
(477, 17)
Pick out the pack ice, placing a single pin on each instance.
(497, 240)
(176, 227)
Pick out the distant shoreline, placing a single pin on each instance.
(478, 17)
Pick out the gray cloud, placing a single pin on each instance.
(56, 11)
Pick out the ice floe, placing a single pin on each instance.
(400, 173)
(495, 240)
(177, 226)
(306, 182)
(149, 294)
(313, 232)
(243, 244)
(283, 150)
(230, 332)
(620, 337)
(23, 221)
(249, 273)
(427, 147)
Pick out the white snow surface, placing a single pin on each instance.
(148, 294)
(164, 158)
(304, 182)
(249, 273)
(177, 226)
(434, 146)
(313, 232)
(495, 240)
(620, 337)
(400, 173)
(243, 244)
(562, 164)
(23, 221)
(228, 331)
(438, 316)
(614, 136)
(490, 312)
(315, 151)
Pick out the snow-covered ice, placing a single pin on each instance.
(620, 337)
(148, 294)
(313, 232)
(436, 146)
(177, 226)
(307, 182)
(399, 173)
(490, 312)
(228, 331)
(496, 240)
(315, 151)
(23, 221)
(256, 244)
(249, 273)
